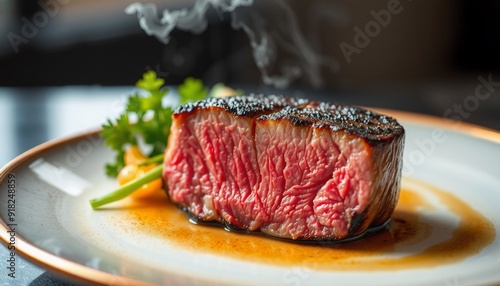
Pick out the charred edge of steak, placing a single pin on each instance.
(302, 112)
(353, 120)
(321, 241)
(249, 106)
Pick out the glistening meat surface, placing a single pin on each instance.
(287, 167)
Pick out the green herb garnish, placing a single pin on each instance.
(152, 118)
(147, 119)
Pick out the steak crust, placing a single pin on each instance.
(287, 167)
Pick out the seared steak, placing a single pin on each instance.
(290, 168)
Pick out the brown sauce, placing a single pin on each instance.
(158, 217)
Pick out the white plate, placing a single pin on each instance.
(56, 228)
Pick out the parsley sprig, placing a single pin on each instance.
(152, 118)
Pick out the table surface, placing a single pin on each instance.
(31, 116)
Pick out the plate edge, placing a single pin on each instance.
(82, 273)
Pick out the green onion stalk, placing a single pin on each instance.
(127, 189)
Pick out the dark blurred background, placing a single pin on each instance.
(427, 57)
(419, 56)
(95, 42)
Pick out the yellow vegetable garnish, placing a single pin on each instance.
(133, 157)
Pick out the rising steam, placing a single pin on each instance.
(267, 38)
